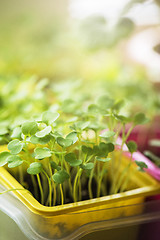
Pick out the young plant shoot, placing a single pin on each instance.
(62, 160)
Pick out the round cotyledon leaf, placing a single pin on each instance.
(44, 132)
(14, 161)
(87, 166)
(107, 134)
(72, 136)
(49, 117)
(102, 159)
(41, 153)
(72, 160)
(15, 146)
(60, 176)
(29, 128)
(140, 118)
(35, 168)
(132, 146)
(3, 158)
(42, 141)
(64, 142)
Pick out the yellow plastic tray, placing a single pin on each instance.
(60, 221)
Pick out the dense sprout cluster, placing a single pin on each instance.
(66, 152)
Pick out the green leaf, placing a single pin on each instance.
(93, 108)
(87, 166)
(72, 136)
(121, 118)
(29, 128)
(14, 161)
(87, 150)
(141, 165)
(105, 102)
(132, 146)
(54, 165)
(110, 147)
(118, 105)
(3, 158)
(95, 150)
(69, 106)
(41, 153)
(35, 168)
(3, 131)
(15, 146)
(42, 141)
(105, 148)
(16, 133)
(81, 125)
(107, 134)
(49, 117)
(64, 142)
(60, 176)
(84, 149)
(103, 159)
(44, 132)
(102, 150)
(72, 120)
(140, 118)
(94, 126)
(72, 160)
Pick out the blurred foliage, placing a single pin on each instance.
(97, 33)
(21, 100)
(34, 46)
(90, 60)
(49, 46)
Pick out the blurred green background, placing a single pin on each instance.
(109, 47)
(76, 38)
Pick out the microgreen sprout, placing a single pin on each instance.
(63, 153)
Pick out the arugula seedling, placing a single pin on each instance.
(64, 159)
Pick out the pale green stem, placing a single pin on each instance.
(74, 187)
(100, 179)
(115, 178)
(90, 184)
(54, 186)
(68, 171)
(121, 179)
(50, 189)
(80, 187)
(40, 188)
(34, 186)
(32, 177)
(89, 158)
(124, 138)
(79, 171)
(62, 196)
(98, 182)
